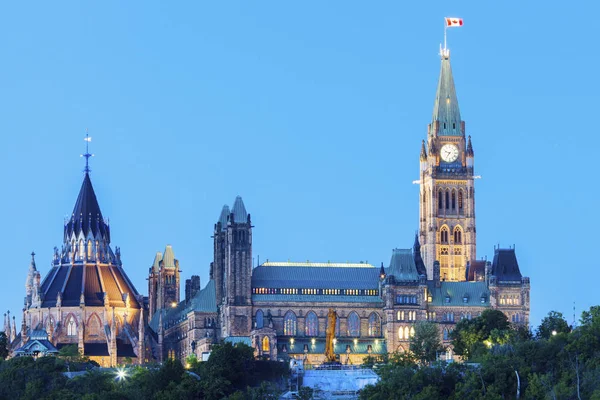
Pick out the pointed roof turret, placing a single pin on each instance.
(223, 217)
(423, 151)
(168, 260)
(445, 107)
(470, 148)
(86, 215)
(240, 216)
(402, 265)
(156, 264)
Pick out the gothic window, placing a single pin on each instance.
(444, 235)
(401, 333)
(374, 325)
(89, 249)
(71, 327)
(94, 326)
(412, 331)
(447, 199)
(312, 325)
(259, 319)
(265, 345)
(81, 253)
(400, 316)
(440, 197)
(406, 332)
(460, 200)
(353, 325)
(289, 324)
(445, 334)
(453, 200)
(457, 235)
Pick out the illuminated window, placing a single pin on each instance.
(265, 344)
(374, 325)
(259, 319)
(400, 333)
(289, 324)
(406, 332)
(353, 325)
(71, 327)
(412, 331)
(312, 325)
(89, 249)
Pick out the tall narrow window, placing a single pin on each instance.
(266, 348)
(447, 199)
(444, 235)
(440, 199)
(289, 324)
(406, 332)
(460, 200)
(89, 249)
(457, 235)
(71, 327)
(311, 327)
(353, 325)
(453, 200)
(401, 333)
(374, 325)
(259, 319)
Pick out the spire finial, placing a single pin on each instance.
(87, 154)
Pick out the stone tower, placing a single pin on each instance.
(163, 281)
(447, 194)
(233, 270)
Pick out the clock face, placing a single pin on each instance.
(449, 152)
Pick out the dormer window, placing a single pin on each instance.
(465, 299)
(447, 299)
(429, 298)
(483, 298)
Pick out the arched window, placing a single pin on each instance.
(89, 249)
(447, 199)
(445, 334)
(259, 319)
(412, 331)
(265, 345)
(81, 253)
(311, 327)
(453, 199)
(406, 332)
(94, 326)
(444, 234)
(460, 200)
(289, 324)
(353, 325)
(457, 235)
(440, 199)
(400, 333)
(374, 325)
(71, 327)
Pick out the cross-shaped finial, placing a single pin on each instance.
(87, 154)
(32, 254)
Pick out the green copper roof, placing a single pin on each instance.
(204, 301)
(240, 215)
(238, 339)
(454, 294)
(316, 298)
(223, 217)
(445, 107)
(168, 257)
(157, 260)
(402, 266)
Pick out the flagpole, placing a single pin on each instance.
(445, 29)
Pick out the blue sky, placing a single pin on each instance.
(313, 112)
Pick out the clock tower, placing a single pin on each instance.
(447, 194)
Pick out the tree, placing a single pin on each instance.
(3, 346)
(553, 322)
(471, 338)
(425, 344)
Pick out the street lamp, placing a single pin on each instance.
(121, 374)
(554, 333)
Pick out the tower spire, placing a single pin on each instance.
(87, 154)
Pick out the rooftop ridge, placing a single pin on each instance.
(315, 264)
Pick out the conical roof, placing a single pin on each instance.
(168, 260)
(223, 217)
(86, 215)
(445, 107)
(156, 264)
(239, 211)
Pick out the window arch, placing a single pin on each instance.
(259, 319)
(445, 334)
(353, 325)
(89, 249)
(444, 234)
(71, 326)
(447, 199)
(81, 253)
(412, 331)
(94, 326)
(453, 199)
(457, 235)
(289, 324)
(311, 328)
(440, 199)
(460, 199)
(266, 347)
(401, 333)
(406, 332)
(374, 325)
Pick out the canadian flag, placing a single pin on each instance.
(450, 22)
